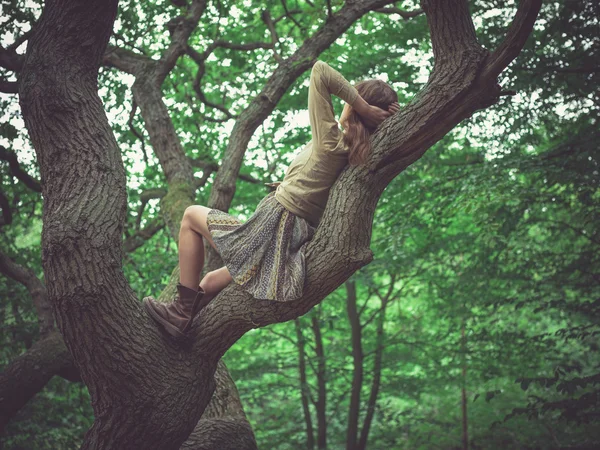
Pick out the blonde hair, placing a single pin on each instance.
(358, 133)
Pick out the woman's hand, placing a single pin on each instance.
(394, 107)
(373, 115)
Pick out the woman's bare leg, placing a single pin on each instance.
(191, 246)
(215, 281)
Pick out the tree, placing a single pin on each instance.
(83, 227)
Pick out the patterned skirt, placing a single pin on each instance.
(265, 254)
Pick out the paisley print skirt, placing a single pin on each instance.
(265, 254)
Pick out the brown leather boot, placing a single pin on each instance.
(177, 316)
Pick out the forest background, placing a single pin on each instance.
(476, 325)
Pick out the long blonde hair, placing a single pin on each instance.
(358, 133)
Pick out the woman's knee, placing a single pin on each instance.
(210, 282)
(194, 216)
(215, 280)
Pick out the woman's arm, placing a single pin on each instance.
(324, 82)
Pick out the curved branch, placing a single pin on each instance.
(135, 132)
(200, 59)
(138, 239)
(515, 39)
(183, 27)
(17, 170)
(125, 60)
(28, 373)
(36, 288)
(266, 18)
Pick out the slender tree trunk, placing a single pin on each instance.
(321, 403)
(304, 388)
(357, 358)
(377, 365)
(465, 432)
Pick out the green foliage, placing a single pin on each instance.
(490, 239)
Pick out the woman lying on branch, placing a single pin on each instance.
(265, 255)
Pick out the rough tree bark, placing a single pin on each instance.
(147, 391)
(149, 75)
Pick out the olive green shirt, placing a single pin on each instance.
(305, 188)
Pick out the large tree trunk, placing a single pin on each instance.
(139, 382)
(147, 391)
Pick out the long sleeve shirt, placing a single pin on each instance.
(305, 188)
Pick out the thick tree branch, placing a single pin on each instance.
(454, 91)
(17, 170)
(223, 425)
(149, 194)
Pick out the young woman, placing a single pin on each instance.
(265, 255)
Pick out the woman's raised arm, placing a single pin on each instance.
(324, 82)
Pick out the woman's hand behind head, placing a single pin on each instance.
(394, 107)
(373, 116)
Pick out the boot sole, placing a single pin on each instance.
(167, 326)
